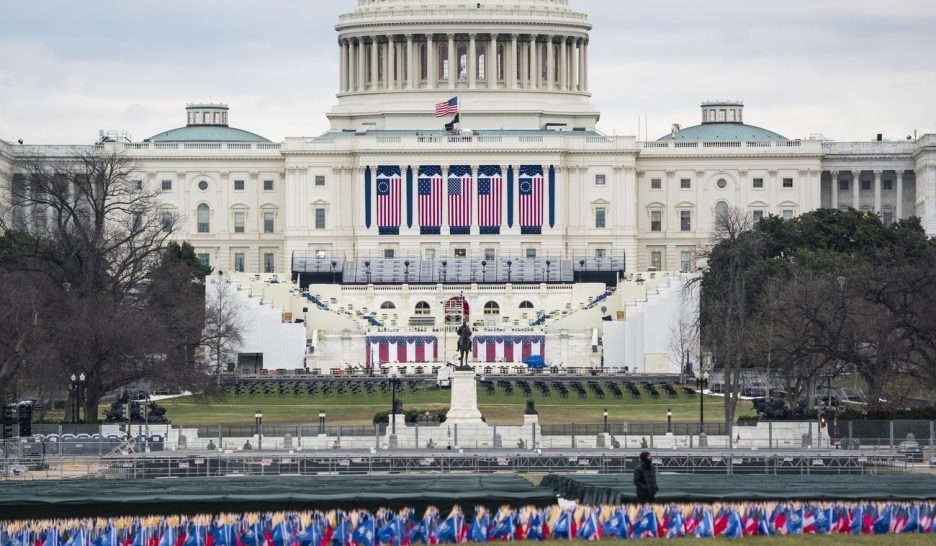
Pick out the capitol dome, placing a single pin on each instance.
(513, 64)
(722, 121)
(206, 123)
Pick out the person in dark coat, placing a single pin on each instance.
(645, 479)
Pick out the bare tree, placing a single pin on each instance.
(224, 324)
(684, 331)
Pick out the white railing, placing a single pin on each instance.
(421, 11)
(904, 147)
(415, 141)
(731, 144)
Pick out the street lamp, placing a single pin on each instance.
(606, 420)
(669, 421)
(321, 421)
(394, 384)
(701, 383)
(77, 387)
(258, 416)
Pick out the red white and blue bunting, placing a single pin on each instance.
(406, 349)
(508, 348)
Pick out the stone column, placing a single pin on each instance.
(898, 208)
(856, 190)
(452, 69)
(432, 70)
(579, 85)
(585, 64)
(388, 64)
(492, 63)
(352, 67)
(410, 73)
(472, 61)
(534, 64)
(835, 189)
(550, 62)
(361, 64)
(563, 64)
(511, 67)
(343, 63)
(877, 190)
(374, 64)
(400, 64)
(524, 57)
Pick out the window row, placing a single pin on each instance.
(238, 185)
(866, 185)
(657, 260)
(203, 220)
(239, 260)
(721, 183)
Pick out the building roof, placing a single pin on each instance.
(725, 132)
(207, 133)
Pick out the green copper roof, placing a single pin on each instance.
(207, 133)
(724, 131)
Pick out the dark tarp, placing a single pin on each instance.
(613, 489)
(89, 498)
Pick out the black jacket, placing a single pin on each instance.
(645, 479)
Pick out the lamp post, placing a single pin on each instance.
(321, 421)
(606, 420)
(701, 383)
(258, 416)
(77, 387)
(669, 421)
(548, 263)
(444, 264)
(367, 270)
(394, 383)
(333, 265)
(509, 265)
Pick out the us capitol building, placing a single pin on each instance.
(525, 188)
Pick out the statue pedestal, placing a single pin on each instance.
(464, 407)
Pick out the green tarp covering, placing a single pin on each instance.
(87, 498)
(612, 489)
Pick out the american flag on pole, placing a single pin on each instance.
(459, 192)
(490, 196)
(447, 108)
(430, 199)
(531, 199)
(389, 192)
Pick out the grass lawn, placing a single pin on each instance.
(811, 540)
(498, 408)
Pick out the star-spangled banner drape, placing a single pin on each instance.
(507, 348)
(389, 199)
(430, 199)
(386, 349)
(531, 199)
(459, 203)
(490, 197)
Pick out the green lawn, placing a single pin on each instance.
(810, 540)
(497, 409)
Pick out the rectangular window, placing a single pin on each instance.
(204, 259)
(600, 253)
(787, 215)
(599, 180)
(319, 180)
(136, 221)
(238, 185)
(888, 185)
(600, 217)
(430, 254)
(389, 253)
(531, 253)
(489, 254)
(656, 220)
(268, 222)
(685, 183)
(320, 253)
(685, 220)
(656, 183)
(843, 185)
(787, 182)
(267, 185)
(656, 260)
(239, 262)
(865, 185)
(461, 253)
(685, 260)
(319, 218)
(757, 215)
(239, 221)
(167, 221)
(888, 217)
(137, 185)
(758, 183)
(268, 262)
(167, 185)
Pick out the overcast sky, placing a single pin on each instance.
(845, 68)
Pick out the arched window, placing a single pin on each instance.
(721, 215)
(526, 305)
(481, 61)
(491, 308)
(462, 61)
(422, 309)
(387, 305)
(203, 215)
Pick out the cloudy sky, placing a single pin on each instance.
(845, 68)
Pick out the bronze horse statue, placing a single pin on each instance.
(464, 343)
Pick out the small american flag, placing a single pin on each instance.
(490, 193)
(447, 108)
(459, 192)
(389, 180)
(430, 199)
(531, 199)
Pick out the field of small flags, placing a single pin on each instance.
(406, 527)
